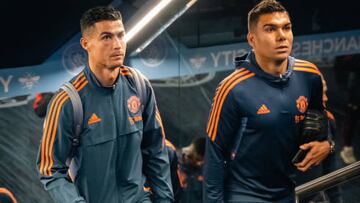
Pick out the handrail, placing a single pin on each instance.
(341, 175)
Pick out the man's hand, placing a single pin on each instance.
(318, 152)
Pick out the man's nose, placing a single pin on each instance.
(118, 43)
(281, 35)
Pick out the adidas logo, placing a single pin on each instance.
(263, 110)
(93, 119)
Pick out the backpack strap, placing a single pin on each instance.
(78, 110)
(78, 121)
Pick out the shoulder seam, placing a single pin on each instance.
(308, 70)
(80, 82)
(302, 63)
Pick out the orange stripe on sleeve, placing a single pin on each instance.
(219, 94)
(213, 136)
(53, 134)
(78, 78)
(125, 71)
(305, 66)
(302, 63)
(46, 130)
(124, 68)
(80, 82)
(49, 132)
(82, 85)
(223, 83)
(309, 70)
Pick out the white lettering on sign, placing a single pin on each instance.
(336, 46)
(226, 58)
(6, 82)
(216, 58)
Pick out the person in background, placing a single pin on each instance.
(350, 127)
(191, 170)
(347, 76)
(41, 102)
(177, 186)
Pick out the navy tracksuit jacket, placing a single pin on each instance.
(254, 131)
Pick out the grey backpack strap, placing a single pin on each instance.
(139, 80)
(78, 110)
(78, 121)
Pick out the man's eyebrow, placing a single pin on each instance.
(106, 33)
(276, 25)
(269, 24)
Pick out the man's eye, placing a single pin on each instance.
(107, 37)
(269, 29)
(287, 28)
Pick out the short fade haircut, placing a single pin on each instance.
(264, 7)
(97, 14)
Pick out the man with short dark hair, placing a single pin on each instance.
(122, 137)
(256, 122)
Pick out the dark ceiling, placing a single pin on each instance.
(33, 30)
(213, 22)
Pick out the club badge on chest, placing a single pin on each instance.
(302, 104)
(133, 104)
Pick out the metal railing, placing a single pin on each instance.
(324, 182)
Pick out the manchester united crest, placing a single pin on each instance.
(302, 104)
(133, 104)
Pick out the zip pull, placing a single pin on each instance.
(238, 138)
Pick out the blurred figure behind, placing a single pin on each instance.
(191, 170)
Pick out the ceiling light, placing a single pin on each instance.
(146, 19)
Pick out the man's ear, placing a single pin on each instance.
(84, 43)
(250, 39)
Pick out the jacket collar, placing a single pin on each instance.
(94, 81)
(248, 60)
